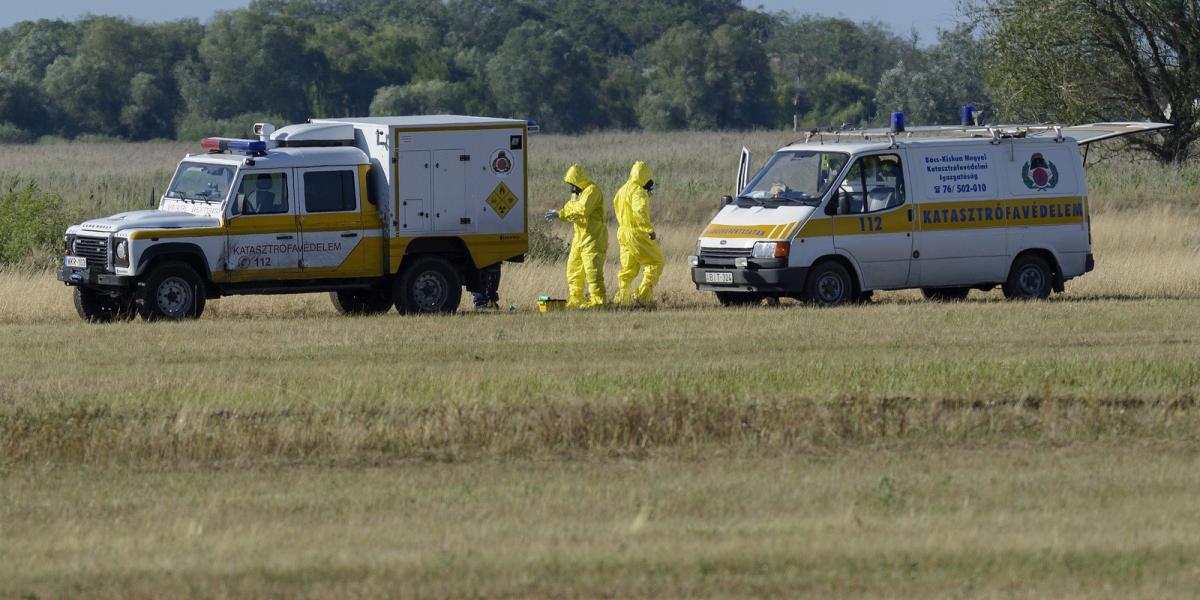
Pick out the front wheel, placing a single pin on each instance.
(1030, 279)
(173, 292)
(829, 284)
(428, 285)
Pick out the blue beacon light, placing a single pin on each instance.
(897, 122)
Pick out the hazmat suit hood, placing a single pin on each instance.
(577, 177)
(640, 173)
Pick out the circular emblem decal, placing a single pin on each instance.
(1039, 173)
(1040, 176)
(502, 162)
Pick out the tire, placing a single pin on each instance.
(94, 307)
(173, 292)
(361, 302)
(1030, 278)
(950, 294)
(829, 284)
(429, 284)
(739, 298)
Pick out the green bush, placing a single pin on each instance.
(11, 134)
(544, 245)
(32, 223)
(194, 127)
(420, 98)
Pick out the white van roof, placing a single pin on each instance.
(418, 121)
(865, 140)
(859, 146)
(286, 158)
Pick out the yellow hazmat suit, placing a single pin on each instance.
(636, 235)
(585, 210)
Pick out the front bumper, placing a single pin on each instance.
(90, 278)
(786, 280)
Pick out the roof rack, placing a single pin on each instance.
(1083, 134)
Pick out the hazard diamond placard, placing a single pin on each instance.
(502, 200)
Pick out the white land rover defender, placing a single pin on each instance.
(379, 212)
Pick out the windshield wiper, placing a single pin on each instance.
(805, 201)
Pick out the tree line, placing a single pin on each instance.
(572, 65)
(580, 65)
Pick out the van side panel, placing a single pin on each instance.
(1047, 192)
(961, 233)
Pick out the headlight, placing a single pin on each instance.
(122, 251)
(68, 244)
(771, 249)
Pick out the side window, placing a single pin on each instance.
(262, 194)
(874, 183)
(850, 194)
(329, 191)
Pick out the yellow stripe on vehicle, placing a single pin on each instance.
(145, 234)
(485, 249)
(890, 221)
(737, 231)
(816, 227)
(939, 216)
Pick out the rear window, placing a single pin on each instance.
(329, 191)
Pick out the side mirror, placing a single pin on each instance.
(726, 200)
(832, 205)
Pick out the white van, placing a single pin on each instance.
(834, 218)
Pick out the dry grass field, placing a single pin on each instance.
(900, 448)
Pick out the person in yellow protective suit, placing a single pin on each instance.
(639, 242)
(585, 264)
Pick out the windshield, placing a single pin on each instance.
(197, 181)
(799, 176)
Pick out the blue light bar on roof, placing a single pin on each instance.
(248, 147)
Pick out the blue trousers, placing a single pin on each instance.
(490, 278)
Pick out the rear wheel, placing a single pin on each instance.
(829, 284)
(951, 294)
(739, 298)
(1030, 279)
(95, 307)
(429, 284)
(173, 292)
(361, 302)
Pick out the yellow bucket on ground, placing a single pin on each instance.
(547, 304)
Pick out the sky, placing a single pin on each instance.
(924, 16)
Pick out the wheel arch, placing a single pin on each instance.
(453, 249)
(1047, 255)
(847, 263)
(189, 254)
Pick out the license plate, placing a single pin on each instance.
(718, 277)
(78, 262)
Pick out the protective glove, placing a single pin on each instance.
(551, 214)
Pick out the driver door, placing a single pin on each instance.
(263, 240)
(874, 221)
